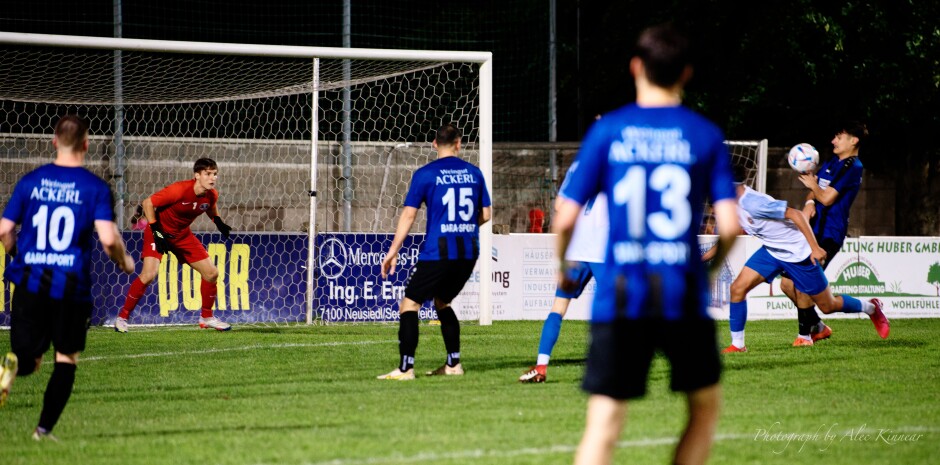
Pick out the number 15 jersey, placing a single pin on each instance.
(657, 166)
(455, 194)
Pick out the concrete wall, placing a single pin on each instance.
(264, 185)
(872, 213)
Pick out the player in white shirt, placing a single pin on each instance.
(788, 244)
(586, 252)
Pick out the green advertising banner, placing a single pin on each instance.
(903, 272)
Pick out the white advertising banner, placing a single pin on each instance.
(524, 276)
(904, 272)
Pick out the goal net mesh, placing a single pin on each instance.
(153, 114)
(527, 177)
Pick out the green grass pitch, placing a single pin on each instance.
(308, 396)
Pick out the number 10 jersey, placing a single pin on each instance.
(57, 207)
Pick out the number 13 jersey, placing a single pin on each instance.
(657, 166)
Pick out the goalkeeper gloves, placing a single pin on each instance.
(161, 239)
(223, 228)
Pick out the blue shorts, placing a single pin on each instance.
(807, 277)
(582, 272)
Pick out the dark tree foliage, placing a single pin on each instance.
(790, 71)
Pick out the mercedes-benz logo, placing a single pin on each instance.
(332, 258)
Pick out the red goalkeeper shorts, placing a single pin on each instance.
(185, 246)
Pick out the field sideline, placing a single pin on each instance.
(307, 396)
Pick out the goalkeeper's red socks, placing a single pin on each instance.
(134, 294)
(208, 291)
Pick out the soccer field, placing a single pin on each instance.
(308, 395)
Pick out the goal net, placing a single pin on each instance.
(529, 176)
(315, 147)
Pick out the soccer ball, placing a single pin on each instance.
(803, 158)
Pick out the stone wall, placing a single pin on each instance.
(264, 185)
(872, 213)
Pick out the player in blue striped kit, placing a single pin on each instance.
(656, 161)
(457, 204)
(831, 192)
(58, 206)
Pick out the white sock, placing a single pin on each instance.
(808, 338)
(542, 359)
(868, 307)
(737, 339)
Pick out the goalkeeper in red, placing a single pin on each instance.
(170, 212)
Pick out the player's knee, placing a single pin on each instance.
(738, 292)
(447, 315)
(786, 286)
(826, 305)
(211, 274)
(147, 277)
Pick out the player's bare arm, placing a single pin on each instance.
(710, 253)
(150, 212)
(407, 219)
(113, 245)
(485, 215)
(825, 196)
(728, 229)
(563, 226)
(6, 234)
(724, 242)
(809, 207)
(796, 216)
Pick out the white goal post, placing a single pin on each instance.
(313, 144)
(752, 155)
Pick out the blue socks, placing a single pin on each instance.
(738, 315)
(550, 330)
(851, 304)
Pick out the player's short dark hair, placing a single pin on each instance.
(71, 131)
(203, 164)
(665, 53)
(447, 135)
(855, 129)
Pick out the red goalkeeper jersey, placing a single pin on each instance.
(178, 205)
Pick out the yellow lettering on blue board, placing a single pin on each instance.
(192, 292)
(238, 276)
(168, 284)
(217, 254)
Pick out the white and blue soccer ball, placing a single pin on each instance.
(803, 158)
